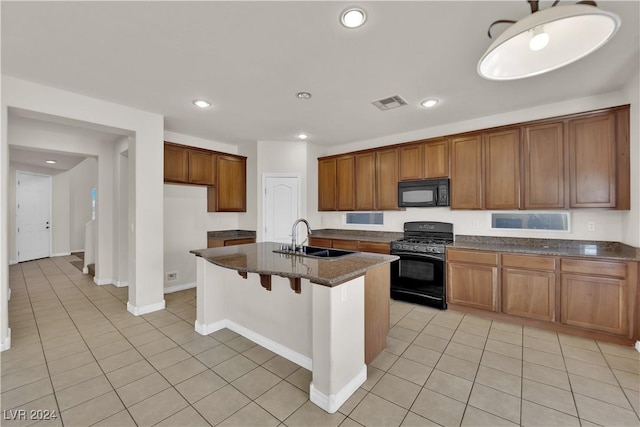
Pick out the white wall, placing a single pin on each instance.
(60, 223)
(631, 221)
(121, 212)
(186, 220)
(280, 157)
(146, 213)
(82, 179)
(611, 225)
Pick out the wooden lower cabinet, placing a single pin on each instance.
(588, 297)
(472, 279)
(352, 245)
(216, 243)
(594, 295)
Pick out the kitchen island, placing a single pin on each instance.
(309, 310)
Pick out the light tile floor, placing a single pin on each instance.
(78, 354)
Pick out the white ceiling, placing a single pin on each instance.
(251, 58)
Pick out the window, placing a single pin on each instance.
(555, 221)
(364, 218)
(93, 203)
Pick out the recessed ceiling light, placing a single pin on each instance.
(303, 136)
(51, 162)
(353, 17)
(428, 103)
(303, 95)
(202, 103)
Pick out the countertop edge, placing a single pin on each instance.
(559, 252)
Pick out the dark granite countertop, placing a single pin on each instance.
(231, 234)
(552, 247)
(260, 258)
(363, 235)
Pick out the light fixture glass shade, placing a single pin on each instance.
(574, 31)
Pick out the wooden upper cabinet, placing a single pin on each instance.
(387, 179)
(466, 172)
(202, 167)
(176, 164)
(411, 162)
(365, 181)
(436, 159)
(592, 161)
(543, 159)
(502, 169)
(327, 174)
(345, 183)
(231, 184)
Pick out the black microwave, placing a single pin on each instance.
(425, 193)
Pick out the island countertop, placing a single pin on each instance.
(260, 258)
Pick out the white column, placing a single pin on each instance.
(338, 343)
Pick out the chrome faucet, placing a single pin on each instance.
(294, 246)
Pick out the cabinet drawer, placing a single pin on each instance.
(319, 241)
(351, 245)
(235, 242)
(376, 247)
(529, 262)
(599, 268)
(475, 257)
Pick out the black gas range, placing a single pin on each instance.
(419, 275)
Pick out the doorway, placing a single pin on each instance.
(33, 216)
(281, 206)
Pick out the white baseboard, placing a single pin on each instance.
(145, 309)
(286, 352)
(76, 250)
(333, 402)
(61, 254)
(637, 346)
(101, 282)
(85, 270)
(120, 284)
(12, 261)
(5, 344)
(182, 287)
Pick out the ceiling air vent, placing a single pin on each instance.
(389, 103)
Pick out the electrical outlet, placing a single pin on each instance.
(171, 276)
(475, 223)
(591, 226)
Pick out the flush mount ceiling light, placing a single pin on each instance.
(428, 103)
(202, 103)
(51, 162)
(303, 95)
(303, 136)
(353, 17)
(547, 40)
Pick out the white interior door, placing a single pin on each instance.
(281, 206)
(33, 210)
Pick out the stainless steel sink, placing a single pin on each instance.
(316, 252)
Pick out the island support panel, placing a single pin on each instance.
(321, 328)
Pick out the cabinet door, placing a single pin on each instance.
(410, 162)
(345, 176)
(472, 285)
(502, 170)
(529, 293)
(436, 159)
(201, 168)
(592, 162)
(544, 149)
(466, 172)
(387, 179)
(327, 185)
(231, 184)
(365, 181)
(593, 302)
(176, 164)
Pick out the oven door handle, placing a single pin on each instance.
(418, 255)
